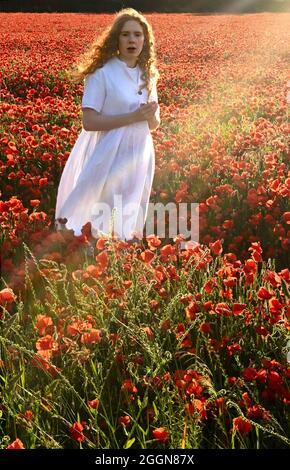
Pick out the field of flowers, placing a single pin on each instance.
(149, 345)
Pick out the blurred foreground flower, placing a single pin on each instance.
(17, 444)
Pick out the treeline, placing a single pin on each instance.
(107, 6)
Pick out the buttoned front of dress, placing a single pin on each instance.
(105, 166)
(123, 92)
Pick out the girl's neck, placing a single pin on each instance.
(131, 64)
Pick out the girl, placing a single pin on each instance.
(108, 176)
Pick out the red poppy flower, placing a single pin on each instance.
(261, 330)
(29, 415)
(17, 444)
(246, 399)
(241, 425)
(216, 247)
(264, 294)
(223, 309)
(233, 348)
(286, 217)
(34, 202)
(230, 281)
(275, 305)
(191, 310)
(250, 374)
(92, 337)
(208, 305)
(46, 346)
(100, 245)
(76, 431)
(250, 266)
(153, 241)
(125, 420)
(205, 328)
(232, 380)
(129, 386)
(194, 388)
(94, 403)
(161, 434)
(238, 308)
(256, 250)
(43, 322)
(7, 295)
(42, 182)
(196, 406)
(209, 285)
(102, 259)
(220, 403)
(168, 252)
(148, 331)
(262, 375)
(211, 201)
(274, 379)
(147, 256)
(257, 412)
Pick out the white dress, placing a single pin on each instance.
(110, 169)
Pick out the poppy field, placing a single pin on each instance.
(148, 345)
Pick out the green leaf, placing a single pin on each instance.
(155, 410)
(129, 443)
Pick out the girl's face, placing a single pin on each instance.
(131, 41)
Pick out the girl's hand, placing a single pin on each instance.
(146, 111)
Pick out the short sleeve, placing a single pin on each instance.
(154, 97)
(94, 91)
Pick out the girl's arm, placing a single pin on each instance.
(95, 121)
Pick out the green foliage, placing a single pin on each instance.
(134, 374)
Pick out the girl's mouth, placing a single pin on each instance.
(131, 49)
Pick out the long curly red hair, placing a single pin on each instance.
(106, 46)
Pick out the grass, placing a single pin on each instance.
(135, 350)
